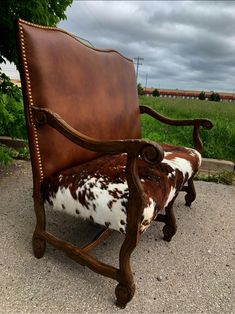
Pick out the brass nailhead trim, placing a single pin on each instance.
(28, 83)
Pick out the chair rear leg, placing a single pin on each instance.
(170, 227)
(191, 193)
(39, 244)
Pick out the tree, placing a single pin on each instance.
(214, 97)
(202, 95)
(140, 89)
(156, 93)
(44, 12)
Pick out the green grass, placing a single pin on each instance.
(219, 142)
(224, 177)
(7, 154)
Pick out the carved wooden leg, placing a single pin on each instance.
(124, 294)
(191, 193)
(39, 245)
(125, 289)
(170, 227)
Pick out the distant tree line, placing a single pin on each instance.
(202, 96)
(213, 97)
(140, 90)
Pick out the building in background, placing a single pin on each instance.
(188, 94)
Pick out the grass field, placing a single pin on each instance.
(219, 142)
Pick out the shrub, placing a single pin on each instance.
(156, 93)
(202, 95)
(5, 155)
(12, 122)
(214, 97)
(140, 89)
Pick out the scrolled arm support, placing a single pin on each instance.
(151, 154)
(40, 117)
(196, 123)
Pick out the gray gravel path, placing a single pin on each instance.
(191, 274)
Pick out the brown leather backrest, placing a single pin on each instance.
(92, 90)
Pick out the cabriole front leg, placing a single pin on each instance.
(124, 293)
(125, 289)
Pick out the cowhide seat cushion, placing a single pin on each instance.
(97, 190)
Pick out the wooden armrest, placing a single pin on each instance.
(205, 123)
(150, 151)
(196, 123)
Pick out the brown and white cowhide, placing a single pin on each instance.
(98, 190)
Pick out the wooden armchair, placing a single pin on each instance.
(87, 155)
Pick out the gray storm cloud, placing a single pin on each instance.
(185, 44)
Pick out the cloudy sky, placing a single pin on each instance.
(185, 44)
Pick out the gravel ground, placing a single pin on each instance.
(191, 274)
